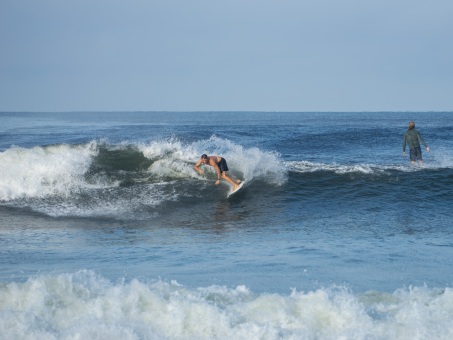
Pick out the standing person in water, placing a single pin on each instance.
(413, 138)
(220, 166)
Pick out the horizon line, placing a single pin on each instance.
(223, 111)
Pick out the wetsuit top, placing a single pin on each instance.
(412, 138)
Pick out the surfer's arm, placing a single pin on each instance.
(404, 144)
(422, 140)
(197, 168)
(219, 174)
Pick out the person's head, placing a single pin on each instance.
(411, 125)
(204, 158)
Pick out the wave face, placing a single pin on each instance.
(86, 306)
(102, 179)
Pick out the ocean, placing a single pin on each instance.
(107, 232)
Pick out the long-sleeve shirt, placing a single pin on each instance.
(412, 138)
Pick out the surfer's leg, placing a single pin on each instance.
(235, 180)
(223, 169)
(228, 179)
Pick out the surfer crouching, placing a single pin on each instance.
(220, 166)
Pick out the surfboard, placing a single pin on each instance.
(239, 188)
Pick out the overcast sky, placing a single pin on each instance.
(211, 55)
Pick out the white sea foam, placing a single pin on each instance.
(437, 159)
(171, 158)
(177, 160)
(43, 171)
(84, 305)
(249, 163)
(121, 203)
(305, 166)
(441, 158)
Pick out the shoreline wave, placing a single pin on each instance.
(86, 305)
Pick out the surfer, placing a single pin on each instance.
(413, 138)
(220, 166)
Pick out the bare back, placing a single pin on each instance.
(214, 160)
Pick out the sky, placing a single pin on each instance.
(211, 55)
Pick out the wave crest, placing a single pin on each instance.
(44, 170)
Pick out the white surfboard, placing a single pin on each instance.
(239, 188)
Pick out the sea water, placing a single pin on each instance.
(106, 231)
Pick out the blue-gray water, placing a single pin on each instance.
(107, 231)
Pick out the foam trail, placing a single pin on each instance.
(131, 203)
(306, 167)
(84, 305)
(439, 159)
